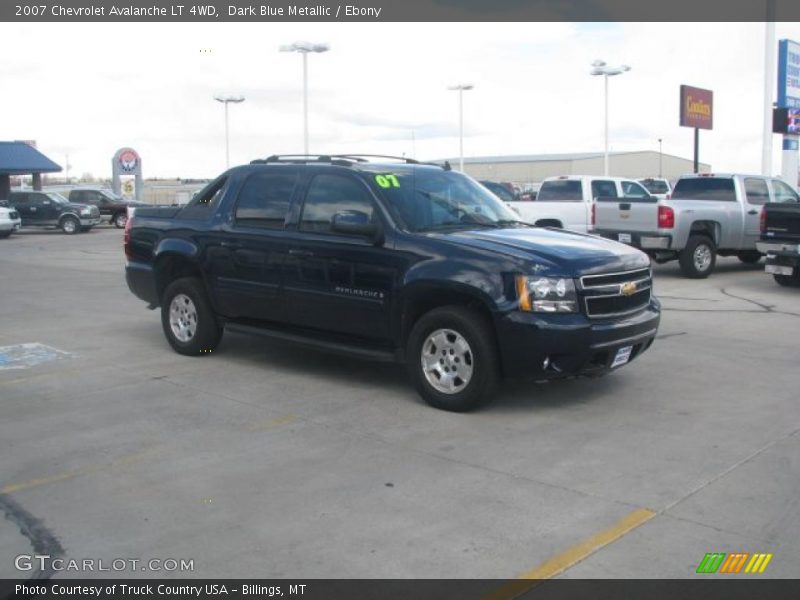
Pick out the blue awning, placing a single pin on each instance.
(19, 158)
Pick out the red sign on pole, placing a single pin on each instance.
(697, 107)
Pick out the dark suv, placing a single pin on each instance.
(397, 261)
(113, 208)
(49, 209)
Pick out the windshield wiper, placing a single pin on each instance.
(503, 222)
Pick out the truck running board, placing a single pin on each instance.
(375, 354)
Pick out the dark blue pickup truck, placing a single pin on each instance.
(391, 260)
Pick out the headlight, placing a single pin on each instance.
(86, 211)
(546, 294)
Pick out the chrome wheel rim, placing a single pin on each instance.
(183, 318)
(121, 221)
(702, 257)
(69, 226)
(447, 361)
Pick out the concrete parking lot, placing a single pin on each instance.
(267, 460)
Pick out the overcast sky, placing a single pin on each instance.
(89, 89)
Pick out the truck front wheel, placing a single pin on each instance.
(187, 318)
(452, 358)
(698, 258)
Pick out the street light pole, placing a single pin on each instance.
(599, 67)
(304, 48)
(660, 157)
(227, 100)
(461, 88)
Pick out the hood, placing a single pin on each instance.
(560, 252)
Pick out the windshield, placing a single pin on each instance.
(57, 198)
(655, 186)
(430, 200)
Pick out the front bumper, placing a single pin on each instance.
(555, 346)
(643, 241)
(89, 221)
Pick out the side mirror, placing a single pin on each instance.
(354, 222)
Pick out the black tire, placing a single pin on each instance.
(86, 229)
(686, 257)
(70, 225)
(482, 358)
(120, 220)
(749, 257)
(792, 280)
(207, 330)
(5, 234)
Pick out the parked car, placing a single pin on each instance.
(707, 214)
(780, 238)
(567, 201)
(9, 220)
(394, 261)
(113, 208)
(657, 186)
(499, 190)
(49, 209)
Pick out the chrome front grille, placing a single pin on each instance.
(616, 294)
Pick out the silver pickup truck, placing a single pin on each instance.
(705, 216)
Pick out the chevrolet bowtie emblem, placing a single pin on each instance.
(627, 289)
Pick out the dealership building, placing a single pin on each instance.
(533, 168)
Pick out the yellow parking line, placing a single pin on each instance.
(563, 561)
(118, 462)
(271, 423)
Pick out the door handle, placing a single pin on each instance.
(304, 253)
(752, 212)
(232, 245)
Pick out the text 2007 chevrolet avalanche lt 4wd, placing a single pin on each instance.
(394, 261)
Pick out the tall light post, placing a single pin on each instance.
(461, 88)
(304, 48)
(660, 157)
(227, 100)
(601, 68)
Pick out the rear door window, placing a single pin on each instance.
(719, 189)
(604, 189)
(562, 190)
(204, 203)
(265, 198)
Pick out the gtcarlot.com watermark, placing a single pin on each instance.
(45, 562)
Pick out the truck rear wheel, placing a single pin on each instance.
(698, 258)
(189, 322)
(452, 358)
(792, 280)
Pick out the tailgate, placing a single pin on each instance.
(626, 214)
(782, 221)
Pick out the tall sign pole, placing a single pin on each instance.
(789, 107)
(697, 112)
(769, 71)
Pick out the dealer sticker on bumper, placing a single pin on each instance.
(625, 238)
(623, 356)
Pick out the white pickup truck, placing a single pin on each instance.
(706, 215)
(567, 201)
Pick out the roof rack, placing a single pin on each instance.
(344, 160)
